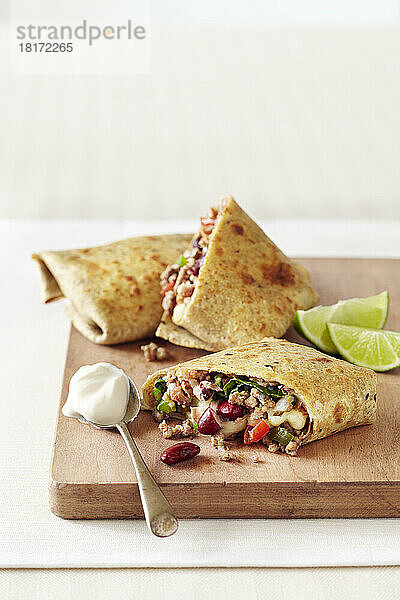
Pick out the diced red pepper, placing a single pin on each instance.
(255, 434)
(167, 287)
(207, 424)
(246, 435)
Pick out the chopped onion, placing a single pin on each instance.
(275, 420)
(229, 428)
(283, 404)
(294, 417)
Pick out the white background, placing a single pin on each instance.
(290, 106)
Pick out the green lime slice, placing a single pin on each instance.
(362, 312)
(394, 339)
(373, 348)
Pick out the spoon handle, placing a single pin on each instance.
(157, 510)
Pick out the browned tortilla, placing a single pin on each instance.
(114, 289)
(336, 394)
(247, 289)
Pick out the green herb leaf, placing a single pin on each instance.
(182, 261)
(236, 384)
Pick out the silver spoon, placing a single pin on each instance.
(158, 512)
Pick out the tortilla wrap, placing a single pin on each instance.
(336, 394)
(246, 289)
(114, 289)
(180, 336)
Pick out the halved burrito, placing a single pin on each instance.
(272, 391)
(232, 285)
(114, 289)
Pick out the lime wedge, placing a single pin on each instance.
(362, 312)
(373, 348)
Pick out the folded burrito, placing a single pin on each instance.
(282, 394)
(232, 286)
(114, 289)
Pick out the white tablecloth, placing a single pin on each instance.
(33, 345)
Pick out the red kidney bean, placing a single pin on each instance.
(230, 411)
(207, 423)
(179, 452)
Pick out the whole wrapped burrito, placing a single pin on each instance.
(274, 391)
(233, 285)
(114, 289)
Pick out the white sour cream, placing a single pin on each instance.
(98, 393)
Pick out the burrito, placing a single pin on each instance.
(232, 285)
(271, 391)
(114, 289)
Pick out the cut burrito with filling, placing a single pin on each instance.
(232, 285)
(114, 289)
(272, 391)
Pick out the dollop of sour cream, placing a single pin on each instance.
(98, 393)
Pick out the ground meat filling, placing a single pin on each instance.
(188, 393)
(153, 352)
(178, 281)
(184, 429)
(223, 451)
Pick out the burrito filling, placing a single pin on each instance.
(179, 280)
(191, 401)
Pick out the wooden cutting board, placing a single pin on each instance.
(355, 473)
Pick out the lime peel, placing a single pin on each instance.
(375, 349)
(362, 312)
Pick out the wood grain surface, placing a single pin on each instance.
(351, 474)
